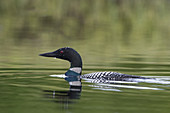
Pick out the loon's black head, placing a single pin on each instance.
(66, 54)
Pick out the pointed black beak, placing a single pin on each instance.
(51, 54)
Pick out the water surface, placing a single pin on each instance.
(27, 87)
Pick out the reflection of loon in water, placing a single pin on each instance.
(64, 97)
(76, 68)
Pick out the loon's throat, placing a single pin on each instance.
(76, 69)
(70, 73)
(76, 62)
(75, 59)
(73, 76)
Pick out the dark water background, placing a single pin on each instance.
(129, 36)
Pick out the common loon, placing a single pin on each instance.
(75, 70)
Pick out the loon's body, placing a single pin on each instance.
(76, 67)
(109, 76)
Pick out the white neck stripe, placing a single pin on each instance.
(76, 69)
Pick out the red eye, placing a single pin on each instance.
(61, 52)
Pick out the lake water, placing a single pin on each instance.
(26, 86)
(130, 37)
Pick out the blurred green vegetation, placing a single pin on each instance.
(125, 20)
